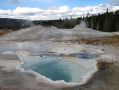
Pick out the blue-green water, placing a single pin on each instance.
(56, 68)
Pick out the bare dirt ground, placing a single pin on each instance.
(110, 40)
(3, 32)
(105, 40)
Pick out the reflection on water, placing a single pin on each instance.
(56, 68)
(85, 55)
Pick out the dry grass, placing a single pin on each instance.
(107, 40)
(4, 32)
(111, 40)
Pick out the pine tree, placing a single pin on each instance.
(107, 22)
(117, 20)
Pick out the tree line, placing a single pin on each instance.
(62, 24)
(106, 22)
(16, 24)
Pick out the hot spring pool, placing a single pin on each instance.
(57, 68)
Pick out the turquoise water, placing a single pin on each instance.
(56, 68)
